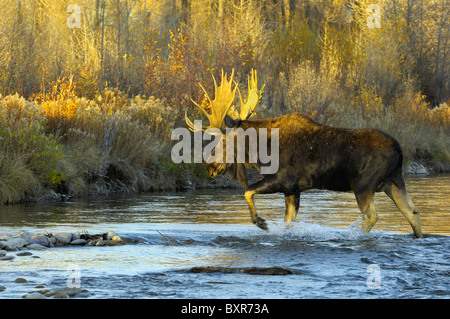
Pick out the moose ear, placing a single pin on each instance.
(230, 122)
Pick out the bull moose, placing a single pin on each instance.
(313, 156)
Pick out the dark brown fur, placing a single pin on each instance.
(317, 156)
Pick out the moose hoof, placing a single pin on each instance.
(261, 223)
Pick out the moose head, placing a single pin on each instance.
(224, 114)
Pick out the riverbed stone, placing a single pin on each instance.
(8, 257)
(63, 238)
(111, 243)
(64, 292)
(100, 242)
(40, 240)
(2, 252)
(110, 235)
(20, 280)
(43, 291)
(76, 235)
(116, 239)
(33, 295)
(36, 247)
(269, 271)
(24, 253)
(24, 235)
(421, 170)
(417, 168)
(16, 243)
(78, 242)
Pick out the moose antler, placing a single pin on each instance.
(223, 98)
(252, 97)
(248, 107)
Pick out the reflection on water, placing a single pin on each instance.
(173, 232)
(334, 209)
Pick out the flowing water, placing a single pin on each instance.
(170, 233)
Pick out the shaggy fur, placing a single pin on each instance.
(311, 155)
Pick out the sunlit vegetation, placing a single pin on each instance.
(89, 98)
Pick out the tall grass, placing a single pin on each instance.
(79, 146)
(16, 179)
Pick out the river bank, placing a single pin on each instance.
(65, 147)
(193, 180)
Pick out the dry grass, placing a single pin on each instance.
(74, 145)
(16, 179)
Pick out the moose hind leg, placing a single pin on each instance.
(404, 203)
(367, 207)
(264, 186)
(292, 204)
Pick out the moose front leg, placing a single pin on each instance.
(256, 219)
(264, 186)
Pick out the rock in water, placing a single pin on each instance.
(20, 280)
(36, 247)
(110, 235)
(33, 295)
(116, 239)
(64, 292)
(76, 235)
(4, 236)
(269, 271)
(24, 253)
(40, 240)
(63, 238)
(78, 242)
(7, 257)
(15, 243)
(24, 235)
(101, 242)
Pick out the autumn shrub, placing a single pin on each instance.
(81, 146)
(311, 90)
(26, 148)
(112, 139)
(22, 132)
(294, 44)
(173, 73)
(16, 179)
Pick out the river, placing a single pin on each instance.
(170, 233)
